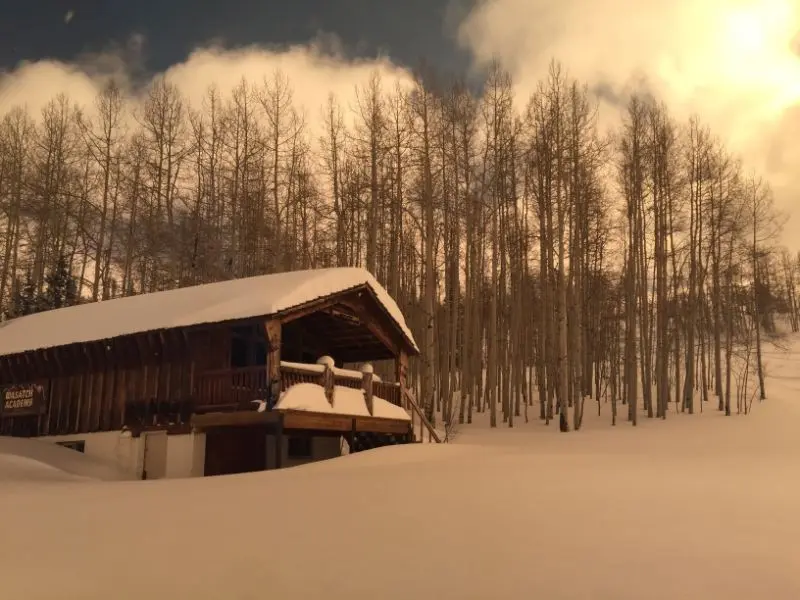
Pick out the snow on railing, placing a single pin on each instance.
(241, 386)
(317, 369)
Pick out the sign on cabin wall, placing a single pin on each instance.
(21, 400)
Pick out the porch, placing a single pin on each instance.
(243, 396)
(246, 388)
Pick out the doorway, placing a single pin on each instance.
(155, 455)
(231, 450)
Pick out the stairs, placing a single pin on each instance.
(365, 440)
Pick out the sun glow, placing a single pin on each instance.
(745, 31)
(753, 51)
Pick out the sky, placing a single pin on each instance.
(735, 63)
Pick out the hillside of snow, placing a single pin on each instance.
(695, 507)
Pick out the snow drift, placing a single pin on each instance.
(695, 507)
(33, 460)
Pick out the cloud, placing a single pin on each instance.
(314, 71)
(733, 62)
(34, 84)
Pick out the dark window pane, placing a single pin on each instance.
(299, 446)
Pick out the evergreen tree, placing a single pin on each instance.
(24, 299)
(60, 290)
(60, 287)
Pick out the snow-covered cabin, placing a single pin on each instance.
(220, 378)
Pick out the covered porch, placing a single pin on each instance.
(284, 395)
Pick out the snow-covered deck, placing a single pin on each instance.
(310, 397)
(304, 403)
(249, 384)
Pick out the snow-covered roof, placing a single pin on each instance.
(347, 401)
(209, 303)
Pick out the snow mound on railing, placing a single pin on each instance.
(349, 402)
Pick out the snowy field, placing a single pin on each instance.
(697, 507)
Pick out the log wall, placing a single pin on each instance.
(87, 386)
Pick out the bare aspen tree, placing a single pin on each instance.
(333, 143)
(370, 139)
(281, 125)
(763, 229)
(632, 174)
(16, 130)
(421, 103)
(102, 140)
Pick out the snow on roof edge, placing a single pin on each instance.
(223, 301)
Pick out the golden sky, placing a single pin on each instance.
(733, 62)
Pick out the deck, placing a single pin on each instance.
(242, 389)
(242, 396)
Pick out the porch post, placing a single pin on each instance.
(272, 329)
(366, 383)
(279, 443)
(328, 381)
(401, 374)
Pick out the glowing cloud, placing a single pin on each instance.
(313, 72)
(733, 62)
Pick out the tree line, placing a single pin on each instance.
(539, 261)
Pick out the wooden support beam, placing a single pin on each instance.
(272, 331)
(375, 425)
(321, 421)
(387, 318)
(366, 384)
(304, 311)
(367, 317)
(279, 441)
(328, 380)
(401, 375)
(225, 419)
(309, 421)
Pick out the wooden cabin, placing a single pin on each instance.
(227, 377)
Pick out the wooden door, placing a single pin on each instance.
(155, 455)
(232, 450)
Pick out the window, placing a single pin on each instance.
(239, 353)
(77, 445)
(261, 354)
(299, 446)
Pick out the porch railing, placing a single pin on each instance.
(234, 388)
(242, 387)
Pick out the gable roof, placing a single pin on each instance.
(236, 299)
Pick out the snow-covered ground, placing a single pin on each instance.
(24, 460)
(696, 507)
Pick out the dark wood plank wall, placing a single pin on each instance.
(88, 385)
